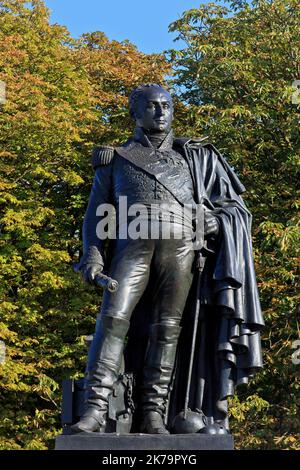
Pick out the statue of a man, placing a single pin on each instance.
(178, 190)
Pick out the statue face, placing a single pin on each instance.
(154, 110)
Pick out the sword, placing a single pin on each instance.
(188, 421)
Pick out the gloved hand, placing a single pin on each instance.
(90, 271)
(91, 264)
(211, 225)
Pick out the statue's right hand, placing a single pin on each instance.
(90, 271)
(91, 263)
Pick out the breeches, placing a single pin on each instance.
(168, 262)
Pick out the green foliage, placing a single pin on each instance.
(234, 83)
(236, 77)
(63, 96)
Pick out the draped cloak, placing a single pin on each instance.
(228, 348)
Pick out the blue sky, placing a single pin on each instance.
(144, 23)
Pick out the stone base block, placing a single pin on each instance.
(97, 441)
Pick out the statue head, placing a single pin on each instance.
(151, 107)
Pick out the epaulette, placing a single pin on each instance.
(102, 156)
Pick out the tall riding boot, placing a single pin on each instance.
(157, 375)
(105, 358)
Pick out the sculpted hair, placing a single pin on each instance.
(134, 95)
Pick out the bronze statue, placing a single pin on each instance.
(186, 315)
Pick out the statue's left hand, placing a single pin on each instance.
(211, 225)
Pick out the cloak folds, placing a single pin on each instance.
(228, 349)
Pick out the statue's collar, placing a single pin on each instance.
(140, 136)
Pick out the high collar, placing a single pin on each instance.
(141, 137)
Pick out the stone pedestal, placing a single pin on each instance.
(134, 442)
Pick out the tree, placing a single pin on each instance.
(236, 76)
(234, 83)
(63, 96)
